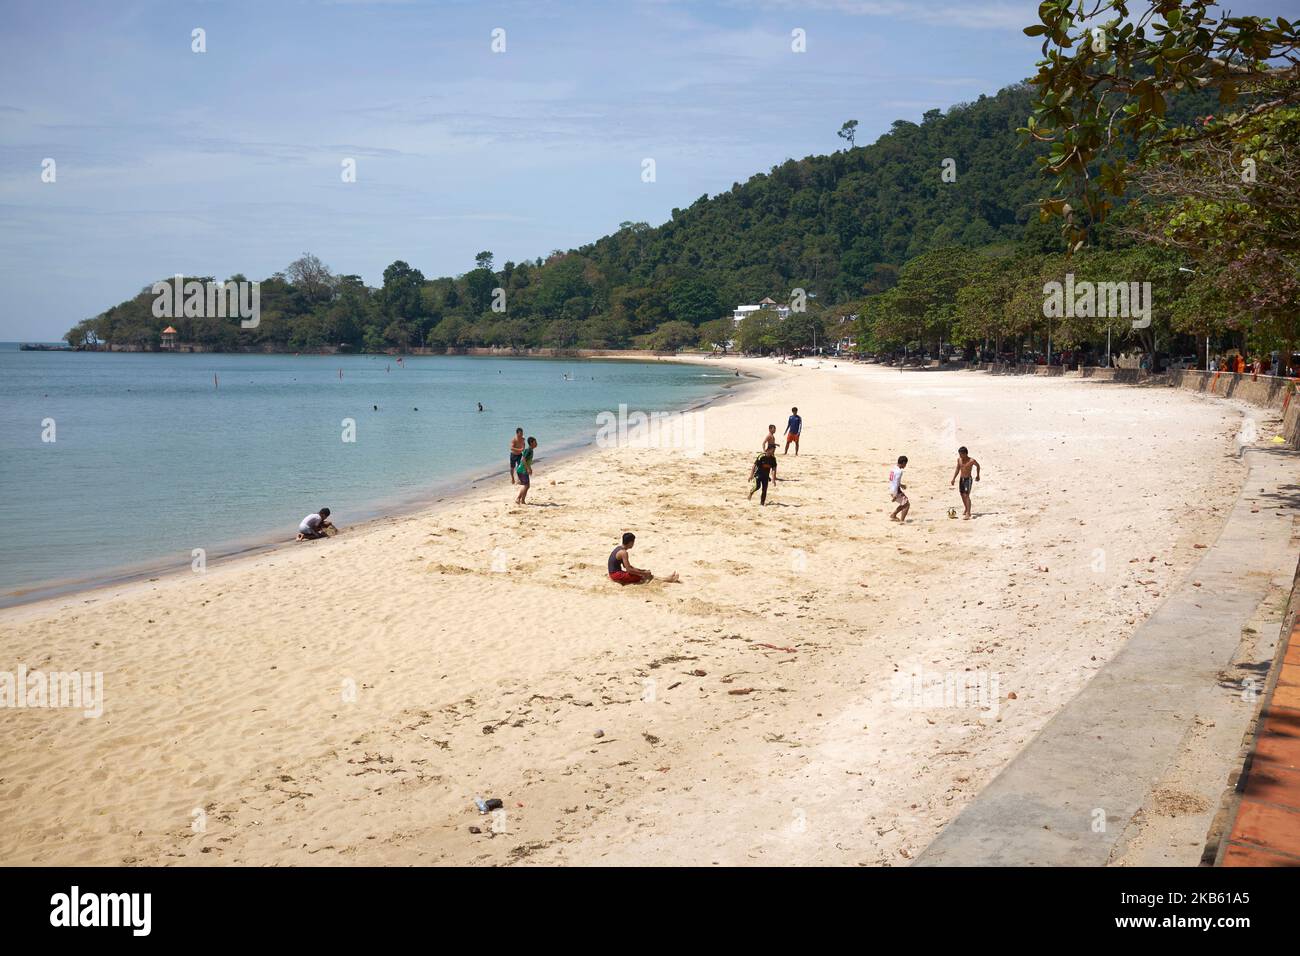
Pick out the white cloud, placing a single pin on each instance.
(971, 14)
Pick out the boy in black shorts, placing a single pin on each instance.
(965, 463)
(764, 470)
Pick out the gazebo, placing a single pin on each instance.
(169, 338)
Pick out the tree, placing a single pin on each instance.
(1221, 190)
(981, 306)
(561, 334)
(672, 336)
(693, 301)
(561, 280)
(1263, 288)
(1233, 208)
(447, 334)
(400, 297)
(843, 226)
(311, 277)
(1107, 76)
(82, 334)
(848, 131)
(604, 331)
(479, 284)
(801, 330)
(921, 308)
(758, 331)
(717, 333)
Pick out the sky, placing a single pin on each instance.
(231, 160)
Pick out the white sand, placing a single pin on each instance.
(225, 691)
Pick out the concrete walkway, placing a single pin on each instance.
(1067, 798)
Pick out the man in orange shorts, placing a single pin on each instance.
(792, 429)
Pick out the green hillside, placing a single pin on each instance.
(838, 226)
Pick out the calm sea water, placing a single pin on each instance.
(151, 460)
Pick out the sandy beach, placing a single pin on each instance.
(345, 701)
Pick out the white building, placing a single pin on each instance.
(745, 311)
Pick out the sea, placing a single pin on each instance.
(115, 465)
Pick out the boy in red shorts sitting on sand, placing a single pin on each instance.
(621, 570)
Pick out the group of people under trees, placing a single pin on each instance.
(1260, 365)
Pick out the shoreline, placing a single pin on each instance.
(749, 715)
(446, 493)
(460, 352)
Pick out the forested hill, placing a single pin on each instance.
(827, 223)
(837, 226)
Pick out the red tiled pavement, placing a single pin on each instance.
(1266, 831)
(1279, 738)
(1249, 856)
(1268, 784)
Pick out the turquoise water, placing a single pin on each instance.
(151, 460)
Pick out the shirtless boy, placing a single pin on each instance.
(516, 452)
(964, 465)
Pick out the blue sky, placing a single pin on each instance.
(229, 161)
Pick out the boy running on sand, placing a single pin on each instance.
(620, 565)
(792, 429)
(524, 470)
(516, 452)
(896, 494)
(764, 470)
(964, 465)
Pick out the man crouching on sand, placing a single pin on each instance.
(620, 567)
(313, 526)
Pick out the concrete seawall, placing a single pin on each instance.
(1069, 797)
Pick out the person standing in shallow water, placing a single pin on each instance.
(524, 470)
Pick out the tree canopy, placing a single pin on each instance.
(932, 234)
